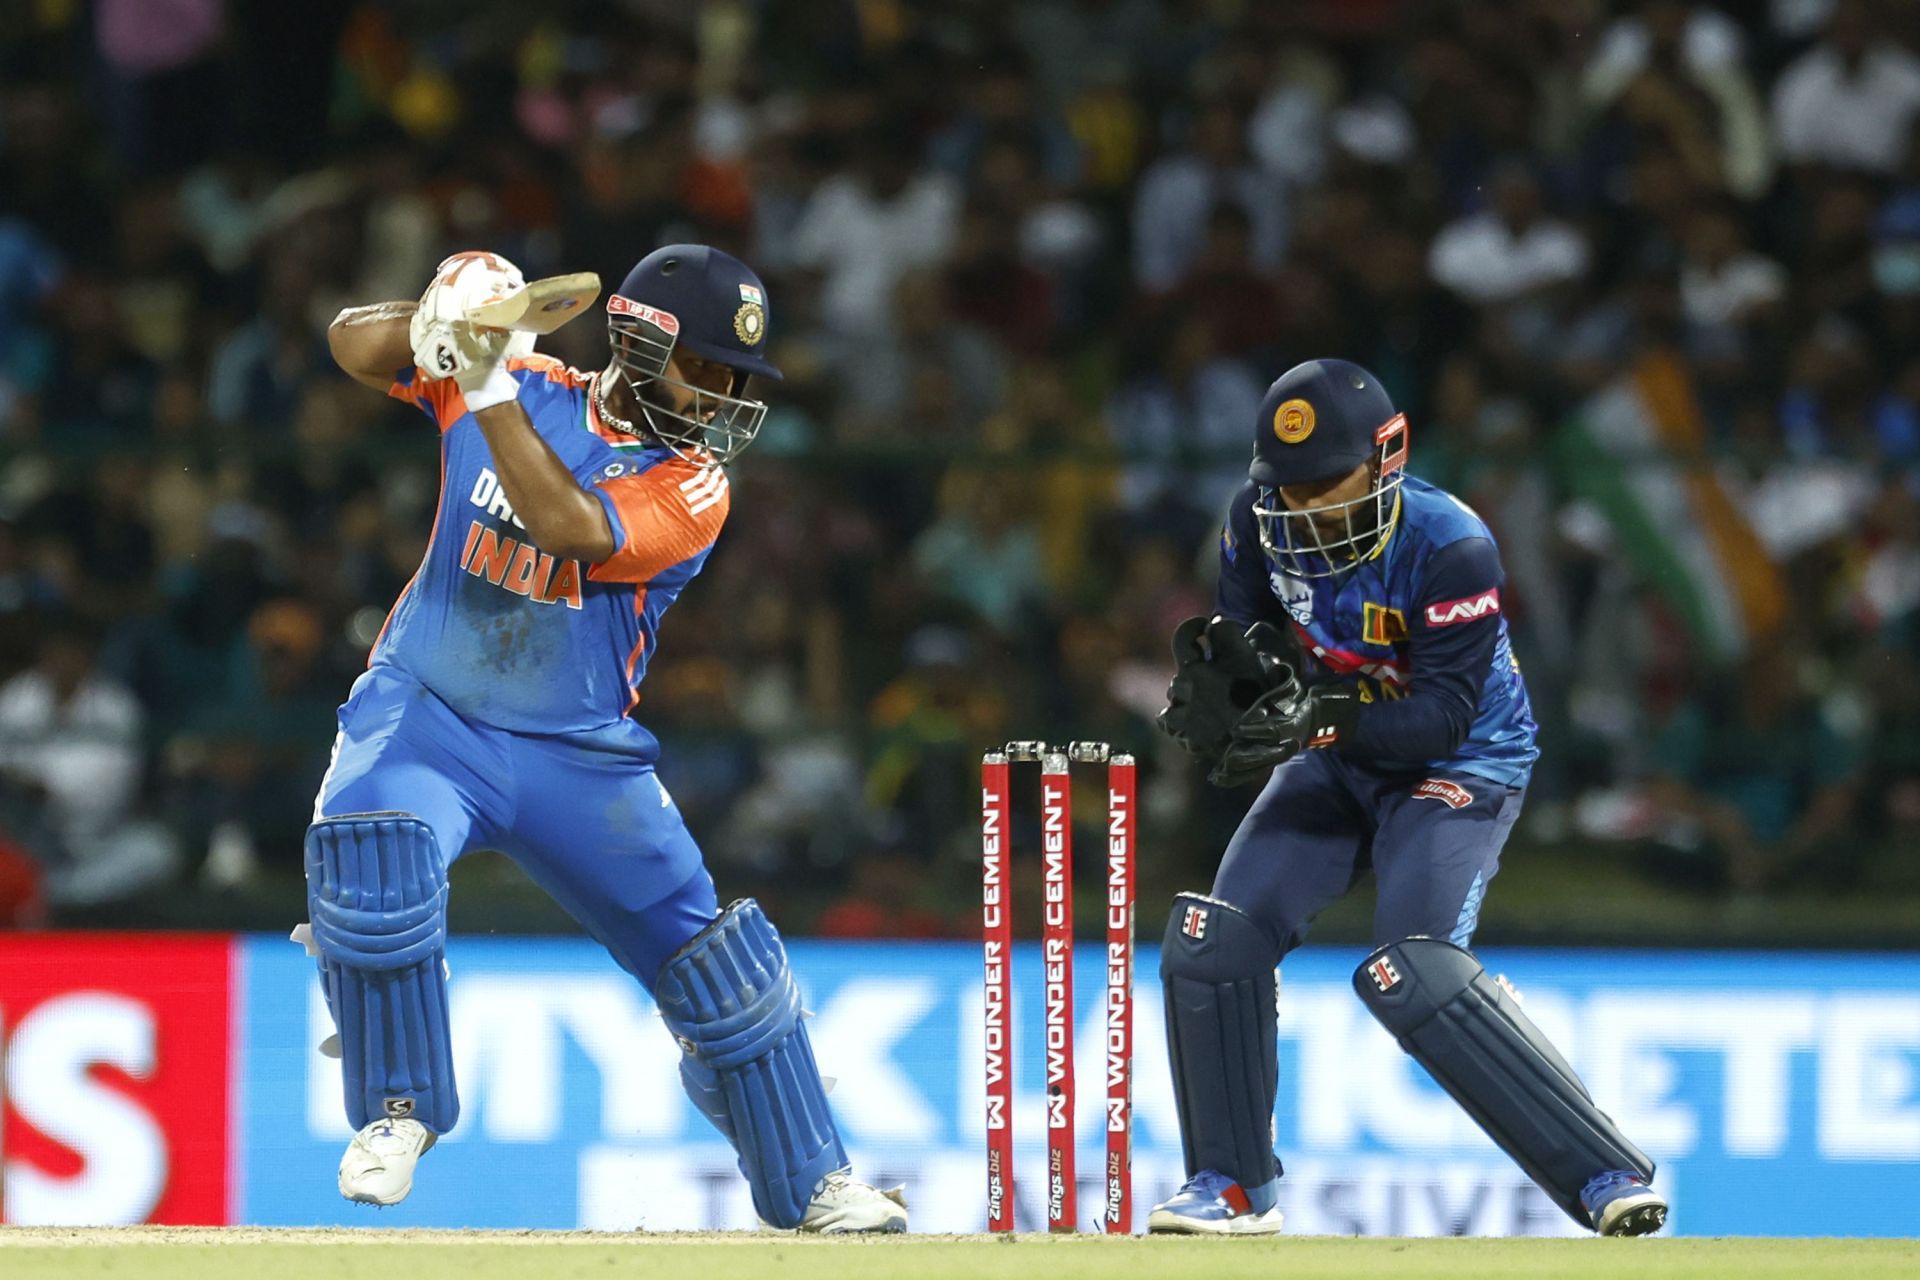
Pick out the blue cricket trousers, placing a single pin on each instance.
(1432, 840)
(582, 814)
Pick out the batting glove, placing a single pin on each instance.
(447, 345)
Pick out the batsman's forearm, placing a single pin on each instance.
(561, 518)
(372, 342)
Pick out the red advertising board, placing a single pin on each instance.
(114, 1069)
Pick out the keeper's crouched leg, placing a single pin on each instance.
(1217, 974)
(1471, 1035)
(377, 895)
(731, 1002)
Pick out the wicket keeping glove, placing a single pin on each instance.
(1221, 672)
(1284, 723)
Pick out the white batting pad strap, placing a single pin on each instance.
(303, 934)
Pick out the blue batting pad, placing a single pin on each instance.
(377, 891)
(731, 1002)
(1216, 974)
(1469, 1033)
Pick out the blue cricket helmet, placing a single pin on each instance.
(1320, 421)
(710, 303)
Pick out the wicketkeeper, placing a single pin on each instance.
(1359, 665)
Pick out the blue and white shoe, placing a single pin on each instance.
(1212, 1204)
(1622, 1204)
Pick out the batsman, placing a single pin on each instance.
(1359, 656)
(496, 710)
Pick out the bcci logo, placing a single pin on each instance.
(750, 323)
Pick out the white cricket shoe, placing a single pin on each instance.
(842, 1205)
(378, 1165)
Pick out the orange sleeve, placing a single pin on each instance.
(438, 398)
(661, 517)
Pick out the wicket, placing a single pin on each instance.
(1056, 825)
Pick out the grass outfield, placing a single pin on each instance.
(240, 1253)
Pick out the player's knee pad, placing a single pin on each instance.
(1470, 1034)
(377, 893)
(731, 1001)
(1217, 975)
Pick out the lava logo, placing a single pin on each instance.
(1464, 610)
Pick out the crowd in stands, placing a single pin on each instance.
(1644, 275)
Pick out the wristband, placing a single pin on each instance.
(497, 388)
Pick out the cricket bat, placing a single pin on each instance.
(539, 306)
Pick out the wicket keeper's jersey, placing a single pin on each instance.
(1417, 626)
(511, 636)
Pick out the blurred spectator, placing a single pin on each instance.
(1848, 101)
(1757, 772)
(247, 754)
(885, 380)
(982, 551)
(1510, 252)
(1178, 193)
(259, 371)
(868, 225)
(1725, 287)
(1674, 74)
(71, 771)
(926, 720)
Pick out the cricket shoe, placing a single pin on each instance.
(1212, 1204)
(842, 1206)
(378, 1166)
(1622, 1204)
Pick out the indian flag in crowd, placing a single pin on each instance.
(1638, 450)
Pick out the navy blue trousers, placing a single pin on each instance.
(1432, 841)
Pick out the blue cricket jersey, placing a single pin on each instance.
(511, 636)
(1417, 627)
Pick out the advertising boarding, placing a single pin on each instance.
(170, 1079)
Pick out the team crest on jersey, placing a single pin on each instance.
(1381, 624)
(1296, 596)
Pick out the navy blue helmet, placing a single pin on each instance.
(1320, 421)
(692, 297)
